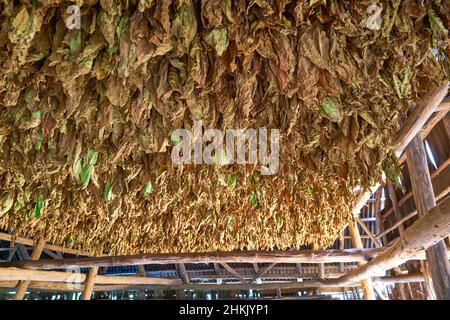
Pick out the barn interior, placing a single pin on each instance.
(92, 205)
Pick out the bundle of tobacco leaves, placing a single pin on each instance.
(86, 115)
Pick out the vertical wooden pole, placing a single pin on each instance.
(142, 273)
(377, 213)
(89, 284)
(341, 246)
(23, 285)
(394, 200)
(437, 258)
(366, 284)
(401, 229)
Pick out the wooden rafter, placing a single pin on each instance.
(23, 285)
(30, 242)
(233, 272)
(369, 233)
(263, 271)
(425, 232)
(300, 256)
(172, 284)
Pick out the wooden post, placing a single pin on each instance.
(437, 258)
(181, 268)
(141, 293)
(394, 200)
(342, 247)
(401, 229)
(377, 213)
(89, 285)
(366, 284)
(23, 285)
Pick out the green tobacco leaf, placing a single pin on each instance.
(218, 39)
(148, 188)
(333, 109)
(254, 200)
(436, 24)
(176, 140)
(83, 170)
(21, 22)
(226, 8)
(232, 181)
(366, 116)
(38, 143)
(393, 171)
(402, 83)
(107, 191)
(75, 42)
(184, 26)
(38, 205)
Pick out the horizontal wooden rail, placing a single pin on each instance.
(13, 274)
(78, 287)
(300, 256)
(48, 246)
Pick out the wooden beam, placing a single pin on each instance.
(369, 233)
(380, 293)
(181, 268)
(432, 122)
(437, 258)
(12, 253)
(23, 285)
(299, 268)
(445, 105)
(398, 223)
(61, 286)
(366, 284)
(300, 256)
(140, 295)
(29, 242)
(89, 284)
(233, 272)
(15, 274)
(394, 200)
(424, 233)
(419, 116)
(51, 254)
(377, 214)
(434, 177)
(263, 271)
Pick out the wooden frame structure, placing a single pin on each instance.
(382, 238)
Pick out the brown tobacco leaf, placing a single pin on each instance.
(86, 116)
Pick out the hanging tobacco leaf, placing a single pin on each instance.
(332, 83)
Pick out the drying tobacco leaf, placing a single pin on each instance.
(86, 116)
